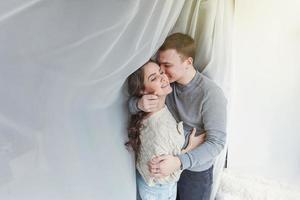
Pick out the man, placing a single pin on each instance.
(199, 103)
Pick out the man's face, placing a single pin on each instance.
(171, 63)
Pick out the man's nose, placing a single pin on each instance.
(163, 77)
(162, 68)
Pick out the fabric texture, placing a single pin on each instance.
(239, 186)
(158, 191)
(62, 115)
(200, 104)
(160, 135)
(195, 185)
(63, 105)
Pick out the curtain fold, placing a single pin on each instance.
(62, 107)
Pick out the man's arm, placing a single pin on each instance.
(147, 103)
(132, 105)
(214, 120)
(164, 165)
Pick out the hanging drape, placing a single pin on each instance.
(63, 110)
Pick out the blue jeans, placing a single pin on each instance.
(157, 192)
(195, 185)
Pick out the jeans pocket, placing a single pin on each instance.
(203, 176)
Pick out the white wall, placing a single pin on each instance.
(265, 117)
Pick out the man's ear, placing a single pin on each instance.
(190, 60)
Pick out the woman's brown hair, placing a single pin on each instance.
(135, 89)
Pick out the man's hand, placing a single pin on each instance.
(194, 141)
(148, 103)
(162, 166)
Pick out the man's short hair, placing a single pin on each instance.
(182, 43)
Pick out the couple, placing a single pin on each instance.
(170, 121)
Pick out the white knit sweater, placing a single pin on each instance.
(160, 135)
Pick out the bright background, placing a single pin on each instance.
(265, 123)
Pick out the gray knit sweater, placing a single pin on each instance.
(200, 104)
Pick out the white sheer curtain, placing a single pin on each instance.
(210, 23)
(62, 111)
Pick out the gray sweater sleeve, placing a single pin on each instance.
(214, 120)
(132, 105)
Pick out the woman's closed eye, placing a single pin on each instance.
(153, 79)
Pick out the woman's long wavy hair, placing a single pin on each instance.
(135, 89)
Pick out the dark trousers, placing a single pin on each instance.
(195, 185)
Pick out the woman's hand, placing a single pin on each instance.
(194, 141)
(164, 165)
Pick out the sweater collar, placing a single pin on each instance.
(192, 84)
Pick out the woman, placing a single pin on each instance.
(156, 133)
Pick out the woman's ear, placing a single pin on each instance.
(143, 92)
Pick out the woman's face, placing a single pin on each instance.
(155, 80)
